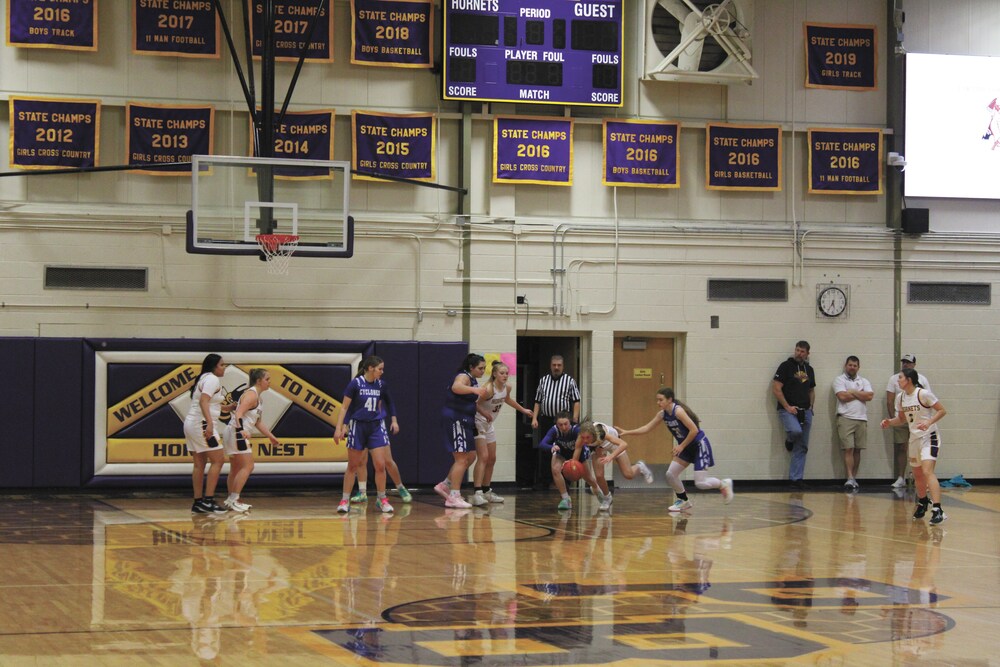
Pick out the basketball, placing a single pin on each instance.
(572, 470)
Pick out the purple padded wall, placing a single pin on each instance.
(59, 397)
(17, 412)
(438, 363)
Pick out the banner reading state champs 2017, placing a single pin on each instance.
(159, 134)
(742, 157)
(52, 24)
(392, 33)
(53, 134)
(640, 153)
(532, 150)
(400, 145)
(293, 27)
(184, 29)
(847, 162)
(841, 56)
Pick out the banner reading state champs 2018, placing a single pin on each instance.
(184, 29)
(400, 145)
(742, 157)
(532, 150)
(847, 162)
(640, 153)
(293, 27)
(52, 24)
(159, 134)
(392, 33)
(841, 56)
(52, 134)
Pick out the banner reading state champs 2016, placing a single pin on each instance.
(400, 145)
(293, 26)
(640, 153)
(742, 157)
(52, 24)
(185, 29)
(847, 162)
(159, 134)
(841, 56)
(53, 134)
(532, 150)
(392, 33)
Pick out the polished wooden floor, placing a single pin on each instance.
(815, 578)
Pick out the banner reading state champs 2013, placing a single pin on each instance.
(640, 153)
(184, 29)
(841, 56)
(532, 150)
(159, 134)
(400, 145)
(293, 26)
(52, 24)
(847, 162)
(392, 33)
(53, 134)
(742, 157)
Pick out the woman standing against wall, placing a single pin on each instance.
(202, 430)
(236, 437)
(458, 419)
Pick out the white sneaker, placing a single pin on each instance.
(647, 474)
(605, 504)
(727, 491)
(493, 497)
(383, 504)
(680, 506)
(344, 506)
(456, 501)
(478, 499)
(443, 489)
(236, 506)
(900, 483)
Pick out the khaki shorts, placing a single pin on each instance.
(853, 433)
(900, 434)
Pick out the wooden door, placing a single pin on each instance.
(638, 375)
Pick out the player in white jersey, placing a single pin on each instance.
(920, 410)
(498, 392)
(202, 430)
(236, 437)
(604, 439)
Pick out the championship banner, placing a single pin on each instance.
(303, 135)
(293, 25)
(143, 399)
(532, 150)
(52, 24)
(845, 162)
(401, 145)
(54, 134)
(159, 134)
(742, 157)
(841, 56)
(392, 33)
(641, 153)
(183, 29)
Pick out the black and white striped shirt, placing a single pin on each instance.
(556, 395)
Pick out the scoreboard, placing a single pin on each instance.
(535, 51)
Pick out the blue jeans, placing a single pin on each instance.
(798, 435)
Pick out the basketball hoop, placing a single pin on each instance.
(277, 250)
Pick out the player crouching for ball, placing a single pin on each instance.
(561, 440)
(604, 439)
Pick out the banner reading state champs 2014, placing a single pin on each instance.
(304, 135)
(393, 33)
(53, 134)
(52, 24)
(400, 145)
(841, 56)
(640, 153)
(742, 157)
(159, 134)
(847, 162)
(532, 150)
(293, 26)
(184, 29)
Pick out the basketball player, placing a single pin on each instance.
(390, 468)
(602, 437)
(919, 409)
(236, 437)
(202, 431)
(561, 441)
(458, 418)
(692, 447)
(498, 392)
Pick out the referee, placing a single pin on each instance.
(557, 392)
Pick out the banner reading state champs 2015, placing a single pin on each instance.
(52, 24)
(841, 56)
(159, 134)
(293, 26)
(847, 162)
(184, 29)
(742, 157)
(640, 153)
(532, 150)
(400, 145)
(53, 134)
(392, 33)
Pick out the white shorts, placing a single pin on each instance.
(234, 443)
(194, 434)
(484, 429)
(923, 447)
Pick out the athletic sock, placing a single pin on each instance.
(363, 487)
(682, 496)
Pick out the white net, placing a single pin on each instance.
(278, 250)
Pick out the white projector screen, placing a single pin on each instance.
(952, 126)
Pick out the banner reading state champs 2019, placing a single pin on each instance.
(52, 134)
(400, 145)
(640, 153)
(183, 29)
(532, 150)
(841, 56)
(847, 162)
(393, 33)
(742, 157)
(52, 24)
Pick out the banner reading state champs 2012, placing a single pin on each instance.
(742, 157)
(532, 150)
(392, 33)
(841, 56)
(159, 134)
(183, 29)
(400, 145)
(847, 162)
(640, 153)
(52, 24)
(53, 134)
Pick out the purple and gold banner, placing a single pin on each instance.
(845, 162)
(641, 153)
(392, 33)
(304, 135)
(742, 157)
(160, 134)
(841, 56)
(293, 25)
(52, 24)
(532, 150)
(184, 29)
(401, 145)
(54, 134)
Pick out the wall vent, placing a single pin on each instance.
(739, 289)
(962, 294)
(95, 278)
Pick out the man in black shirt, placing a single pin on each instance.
(794, 385)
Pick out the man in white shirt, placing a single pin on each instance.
(900, 434)
(853, 393)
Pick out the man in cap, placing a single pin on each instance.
(900, 434)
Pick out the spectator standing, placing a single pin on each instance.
(853, 393)
(794, 385)
(557, 392)
(900, 434)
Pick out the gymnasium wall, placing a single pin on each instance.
(593, 261)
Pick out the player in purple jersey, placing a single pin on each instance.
(459, 421)
(561, 441)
